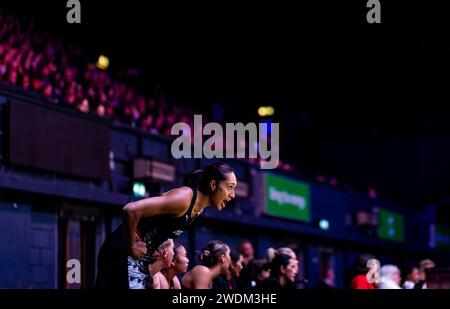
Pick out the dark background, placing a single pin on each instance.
(366, 103)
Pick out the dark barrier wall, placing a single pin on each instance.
(51, 140)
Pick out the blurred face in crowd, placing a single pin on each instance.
(290, 271)
(291, 253)
(26, 82)
(100, 110)
(225, 259)
(247, 250)
(330, 274)
(295, 262)
(414, 276)
(264, 274)
(13, 77)
(84, 106)
(424, 266)
(396, 277)
(236, 267)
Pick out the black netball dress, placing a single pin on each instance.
(116, 269)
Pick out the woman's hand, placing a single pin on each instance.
(139, 250)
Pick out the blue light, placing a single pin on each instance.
(324, 224)
(268, 121)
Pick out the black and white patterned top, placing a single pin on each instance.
(154, 231)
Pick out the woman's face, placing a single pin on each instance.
(265, 274)
(181, 260)
(168, 257)
(223, 191)
(293, 256)
(414, 276)
(237, 267)
(290, 271)
(397, 277)
(296, 265)
(226, 261)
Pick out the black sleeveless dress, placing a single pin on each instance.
(116, 269)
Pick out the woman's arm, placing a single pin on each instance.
(175, 202)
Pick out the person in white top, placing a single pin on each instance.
(390, 277)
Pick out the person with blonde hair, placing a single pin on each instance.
(167, 277)
(160, 259)
(390, 277)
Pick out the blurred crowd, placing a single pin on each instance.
(389, 276)
(44, 65)
(40, 63)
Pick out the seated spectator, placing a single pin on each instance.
(390, 277)
(327, 281)
(100, 110)
(271, 253)
(83, 106)
(259, 270)
(248, 254)
(411, 277)
(227, 281)
(360, 281)
(283, 271)
(424, 266)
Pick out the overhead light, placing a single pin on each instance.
(102, 62)
(264, 111)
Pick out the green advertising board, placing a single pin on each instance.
(391, 225)
(287, 198)
(442, 236)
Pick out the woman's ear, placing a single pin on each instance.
(213, 185)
